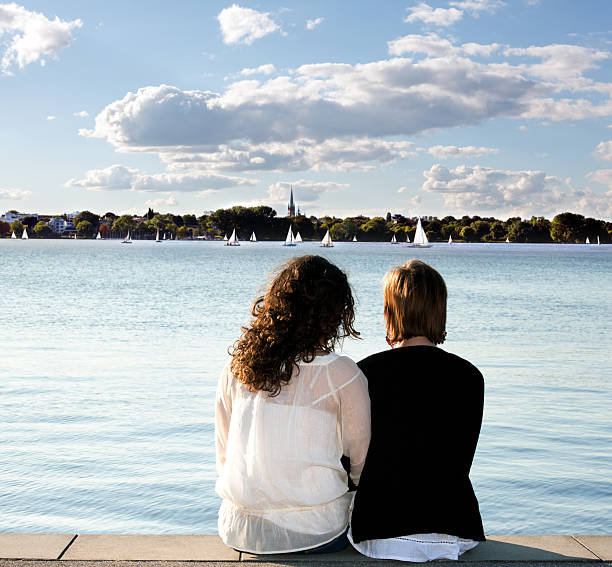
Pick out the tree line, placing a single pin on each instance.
(565, 227)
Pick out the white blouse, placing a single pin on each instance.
(278, 458)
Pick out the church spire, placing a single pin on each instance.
(291, 207)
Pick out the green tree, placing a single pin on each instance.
(182, 232)
(123, 224)
(497, 233)
(17, 228)
(43, 230)
(190, 220)
(85, 229)
(567, 227)
(468, 234)
(344, 230)
(86, 216)
(30, 222)
(5, 228)
(481, 228)
(375, 229)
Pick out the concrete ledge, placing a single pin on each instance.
(19, 550)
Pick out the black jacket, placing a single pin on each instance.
(426, 415)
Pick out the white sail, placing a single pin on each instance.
(298, 237)
(157, 236)
(253, 237)
(225, 237)
(99, 237)
(24, 235)
(393, 239)
(75, 235)
(290, 240)
(127, 239)
(233, 240)
(598, 243)
(450, 239)
(507, 240)
(355, 238)
(588, 241)
(420, 238)
(327, 241)
(408, 243)
(13, 235)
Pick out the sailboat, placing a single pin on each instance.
(13, 235)
(507, 240)
(75, 235)
(157, 236)
(355, 238)
(393, 239)
(588, 241)
(99, 237)
(598, 243)
(233, 240)
(450, 239)
(127, 239)
(253, 237)
(298, 237)
(408, 243)
(290, 240)
(24, 235)
(420, 238)
(327, 241)
(165, 235)
(225, 237)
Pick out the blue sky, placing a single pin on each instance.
(422, 108)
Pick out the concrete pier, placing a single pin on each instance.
(110, 550)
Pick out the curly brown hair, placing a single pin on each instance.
(307, 308)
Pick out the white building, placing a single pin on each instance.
(57, 224)
(11, 217)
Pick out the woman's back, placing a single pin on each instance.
(426, 416)
(279, 456)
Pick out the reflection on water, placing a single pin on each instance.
(110, 356)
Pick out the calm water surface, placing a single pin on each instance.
(110, 356)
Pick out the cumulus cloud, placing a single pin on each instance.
(312, 24)
(437, 16)
(603, 176)
(446, 152)
(477, 6)
(14, 194)
(604, 150)
(169, 201)
(267, 69)
(342, 116)
(477, 188)
(29, 36)
(121, 178)
(50, 117)
(308, 191)
(244, 25)
(81, 114)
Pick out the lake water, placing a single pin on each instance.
(110, 356)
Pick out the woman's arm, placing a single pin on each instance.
(355, 422)
(223, 414)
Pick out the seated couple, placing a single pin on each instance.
(290, 412)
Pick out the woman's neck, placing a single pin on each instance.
(414, 341)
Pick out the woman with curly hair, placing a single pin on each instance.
(288, 408)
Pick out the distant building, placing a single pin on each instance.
(291, 206)
(12, 217)
(58, 225)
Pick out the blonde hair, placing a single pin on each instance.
(415, 302)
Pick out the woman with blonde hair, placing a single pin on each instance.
(415, 501)
(288, 408)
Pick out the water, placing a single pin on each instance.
(110, 356)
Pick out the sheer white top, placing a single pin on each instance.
(278, 458)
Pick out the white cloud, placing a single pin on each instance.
(437, 16)
(267, 69)
(121, 178)
(244, 25)
(477, 6)
(170, 201)
(14, 194)
(81, 114)
(446, 152)
(312, 24)
(50, 117)
(603, 176)
(479, 189)
(309, 191)
(604, 150)
(30, 36)
(403, 189)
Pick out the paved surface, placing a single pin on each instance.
(108, 550)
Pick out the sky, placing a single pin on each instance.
(477, 107)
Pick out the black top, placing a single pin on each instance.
(426, 416)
